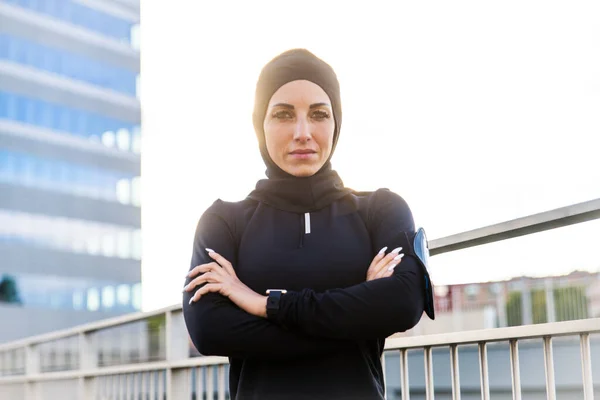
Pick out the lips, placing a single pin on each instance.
(303, 152)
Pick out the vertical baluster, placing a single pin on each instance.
(199, 383)
(384, 374)
(161, 385)
(210, 383)
(221, 376)
(429, 391)
(549, 368)
(483, 371)
(143, 381)
(115, 387)
(515, 370)
(454, 369)
(152, 388)
(404, 379)
(586, 365)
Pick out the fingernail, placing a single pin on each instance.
(398, 257)
(185, 287)
(391, 267)
(210, 250)
(382, 250)
(397, 250)
(192, 299)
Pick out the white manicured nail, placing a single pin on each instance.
(192, 299)
(397, 250)
(391, 267)
(398, 257)
(210, 250)
(382, 250)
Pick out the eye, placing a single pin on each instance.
(282, 114)
(320, 115)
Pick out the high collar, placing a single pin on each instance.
(307, 194)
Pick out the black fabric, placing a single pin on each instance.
(282, 190)
(301, 195)
(328, 336)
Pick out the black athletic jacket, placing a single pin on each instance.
(328, 337)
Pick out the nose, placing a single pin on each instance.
(302, 131)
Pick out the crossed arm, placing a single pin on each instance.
(309, 322)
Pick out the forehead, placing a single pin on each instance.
(299, 92)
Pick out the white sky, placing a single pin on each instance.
(474, 112)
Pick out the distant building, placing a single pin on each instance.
(518, 301)
(70, 242)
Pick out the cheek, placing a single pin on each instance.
(326, 137)
(274, 139)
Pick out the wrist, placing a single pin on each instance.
(261, 306)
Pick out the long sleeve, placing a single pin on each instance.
(369, 310)
(218, 327)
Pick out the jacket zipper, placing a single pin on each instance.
(304, 226)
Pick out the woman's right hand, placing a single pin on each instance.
(383, 265)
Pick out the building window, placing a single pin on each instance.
(93, 299)
(136, 194)
(108, 139)
(123, 139)
(135, 36)
(136, 145)
(78, 300)
(124, 191)
(108, 297)
(123, 295)
(137, 296)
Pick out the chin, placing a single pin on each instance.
(303, 172)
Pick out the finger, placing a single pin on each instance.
(222, 261)
(388, 258)
(202, 268)
(389, 267)
(207, 277)
(211, 287)
(376, 259)
(384, 262)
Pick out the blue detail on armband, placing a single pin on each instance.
(421, 250)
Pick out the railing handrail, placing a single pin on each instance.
(534, 223)
(535, 331)
(558, 217)
(555, 329)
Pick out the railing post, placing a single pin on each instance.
(586, 366)
(32, 368)
(88, 359)
(176, 348)
(550, 309)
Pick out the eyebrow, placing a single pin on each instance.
(286, 105)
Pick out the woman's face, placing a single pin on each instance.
(299, 128)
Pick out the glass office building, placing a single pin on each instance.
(70, 142)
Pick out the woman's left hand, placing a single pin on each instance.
(220, 277)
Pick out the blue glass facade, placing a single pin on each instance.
(25, 169)
(91, 241)
(70, 235)
(55, 292)
(59, 117)
(65, 63)
(78, 14)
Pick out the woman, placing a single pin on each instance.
(295, 284)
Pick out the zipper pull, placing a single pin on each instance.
(306, 223)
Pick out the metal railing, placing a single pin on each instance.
(147, 355)
(582, 329)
